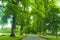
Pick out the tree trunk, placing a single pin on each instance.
(13, 27)
(56, 33)
(14, 17)
(22, 24)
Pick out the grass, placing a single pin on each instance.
(9, 38)
(18, 37)
(49, 37)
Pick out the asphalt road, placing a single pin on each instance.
(33, 37)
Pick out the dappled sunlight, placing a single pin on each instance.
(3, 3)
(31, 17)
(0, 3)
(30, 9)
(58, 3)
(0, 27)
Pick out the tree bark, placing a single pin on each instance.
(13, 27)
(22, 24)
(14, 18)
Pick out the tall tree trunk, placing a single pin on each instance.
(14, 18)
(22, 24)
(13, 27)
(56, 33)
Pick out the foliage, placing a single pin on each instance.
(32, 16)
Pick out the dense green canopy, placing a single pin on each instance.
(33, 16)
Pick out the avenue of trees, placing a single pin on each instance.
(31, 16)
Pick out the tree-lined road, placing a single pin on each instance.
(33, 37)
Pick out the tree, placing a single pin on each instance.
(12, 6)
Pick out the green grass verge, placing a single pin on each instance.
(48, 37)
(18, 37)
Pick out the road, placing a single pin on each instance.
(33, 37)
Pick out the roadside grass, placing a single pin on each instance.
(19, 37)
(7, 37)
(49, 37)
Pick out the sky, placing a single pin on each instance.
(58, 3)
(8, 24)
